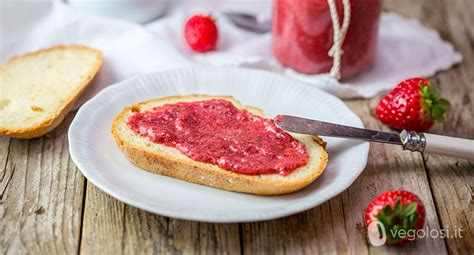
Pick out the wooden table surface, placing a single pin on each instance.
(48, 207)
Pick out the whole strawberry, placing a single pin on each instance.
(396, 210)
(200, 32)
(413, 105)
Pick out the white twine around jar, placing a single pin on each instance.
(339, 34)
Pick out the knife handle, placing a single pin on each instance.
(438, 144)
(449, 146)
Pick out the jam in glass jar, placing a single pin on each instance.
(302, 33)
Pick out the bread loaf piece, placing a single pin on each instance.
(169, 161)
(38, 89)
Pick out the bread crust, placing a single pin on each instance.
(208, 174)
(55, 119)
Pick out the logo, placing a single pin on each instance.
(376, 233)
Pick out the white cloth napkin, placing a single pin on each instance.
(406, 47)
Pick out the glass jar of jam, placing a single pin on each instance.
(303, 35)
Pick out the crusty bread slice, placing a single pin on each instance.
(39, 88)
(171, 162)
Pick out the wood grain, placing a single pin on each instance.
(337, 225)
(452, 180)
(41, 195)
(111, 227)
(46, 206)
(389, 168)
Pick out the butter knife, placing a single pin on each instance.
(409, 140)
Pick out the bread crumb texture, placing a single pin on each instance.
(171, 162)
(37, 89)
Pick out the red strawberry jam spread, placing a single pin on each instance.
(303, 35)
(215, 131)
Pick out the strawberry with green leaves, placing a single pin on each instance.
(396, 210)
(414, 104)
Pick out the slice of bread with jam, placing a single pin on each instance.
(169, 161)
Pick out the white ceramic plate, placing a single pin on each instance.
(94, 151)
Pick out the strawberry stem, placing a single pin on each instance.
(397, 218)
(434, 105)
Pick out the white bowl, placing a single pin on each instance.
(139, 11)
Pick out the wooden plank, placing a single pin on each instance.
(320, 230)
(40, 196)
(452, 180)
(338, 225)
(4, 152)
(340, 228)
(111, 227)
(392, 168)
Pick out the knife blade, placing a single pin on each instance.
(409, 140)
(316, 127)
